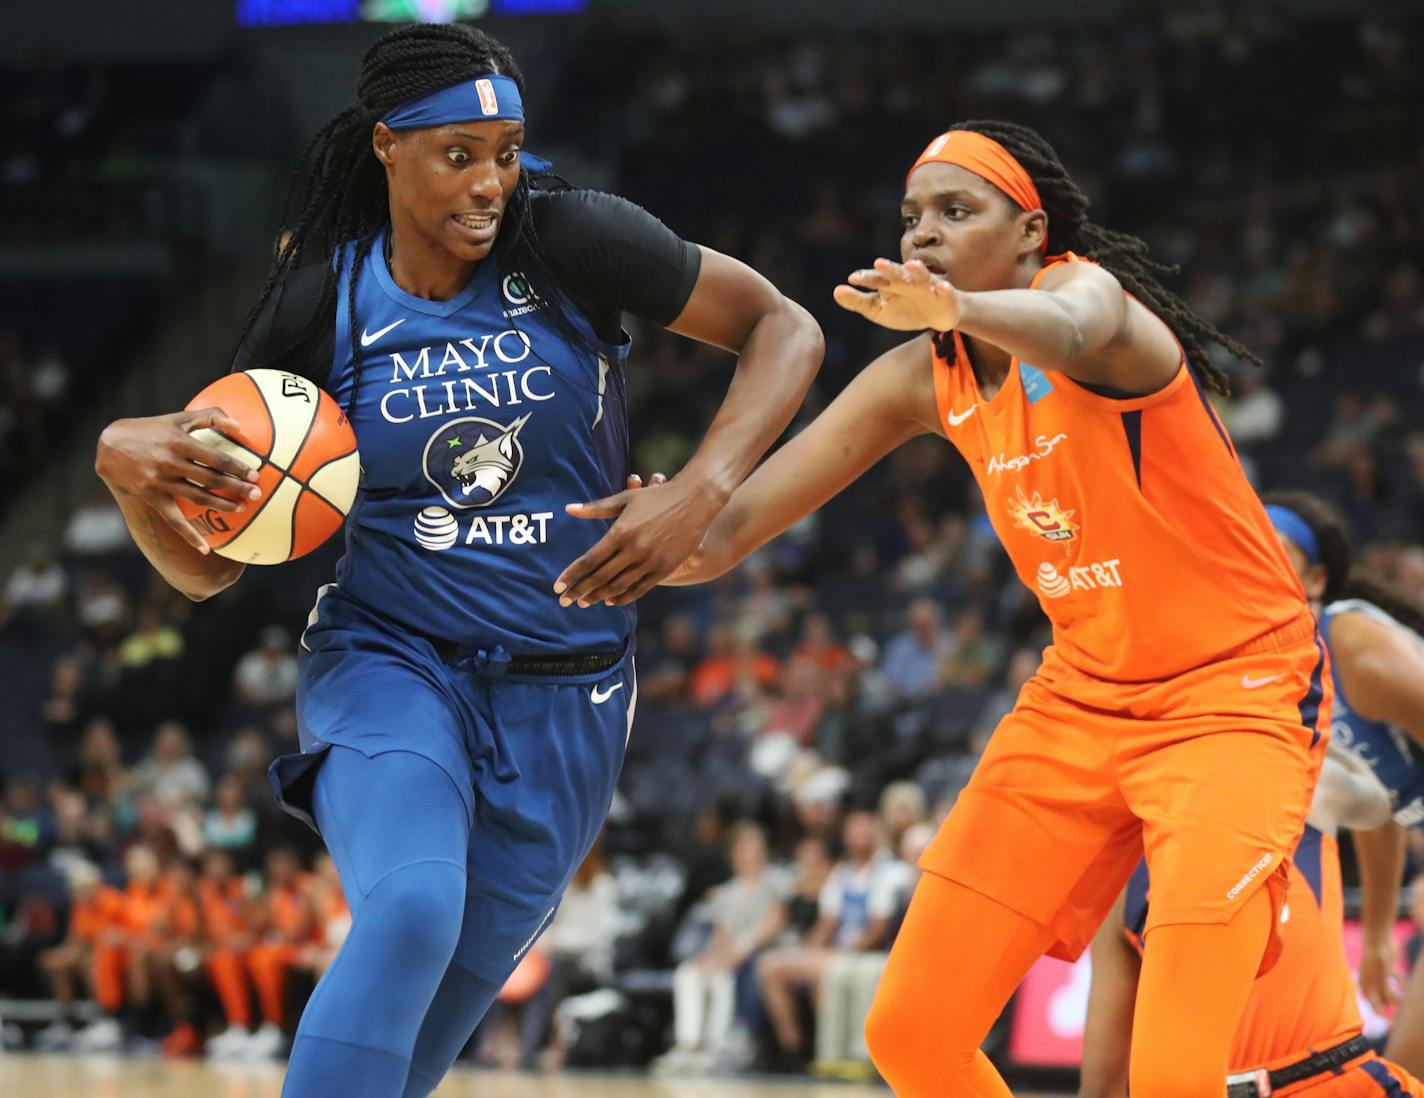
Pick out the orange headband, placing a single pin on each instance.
(987, 159)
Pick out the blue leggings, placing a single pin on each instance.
(393, 1011)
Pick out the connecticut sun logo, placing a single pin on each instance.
(472, 461)
(1043, 520)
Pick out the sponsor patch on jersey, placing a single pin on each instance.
(1055, 582)
(1036, 385)
(472, 460)
(1043, 518)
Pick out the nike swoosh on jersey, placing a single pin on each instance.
(601, 696)
(1254, 684)
(956, 418)
(367, 338)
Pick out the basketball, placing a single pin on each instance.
(304, 450)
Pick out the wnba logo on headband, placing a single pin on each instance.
(489, 102)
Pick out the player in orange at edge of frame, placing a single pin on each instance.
(1301, 1029)
(1183, 707)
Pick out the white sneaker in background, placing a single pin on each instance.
(230, 1044)
(266, 1044)
(56, 1037)
(105, 1035)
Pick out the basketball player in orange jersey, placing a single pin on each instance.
(222, 896)
(1301, 1029)
(286, 926)
(1183, 707)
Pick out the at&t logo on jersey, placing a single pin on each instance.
(1043, 519)
(472, 461)
(437, 529)
(1080, 577)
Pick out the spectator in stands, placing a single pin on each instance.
(231, 824)
(96, 528)
(913, 657)
(1254, 413)
(267, 675)
(975, 656)
(797, 708)
(854, 912)
(170, 772)
(733, 667)
(37, 585)
(664, 676)
(903, 805)
(745, 914)
(850, 978)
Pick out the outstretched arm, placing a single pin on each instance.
(778, 347)
(1348, 795)
(1078, 321)
(890, 401)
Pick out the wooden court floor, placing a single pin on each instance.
(25, 1076)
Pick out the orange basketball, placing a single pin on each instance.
(304, 452)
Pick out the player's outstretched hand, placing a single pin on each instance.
(1379, 963)
(157, 459)
(655, 531)
(906, 297)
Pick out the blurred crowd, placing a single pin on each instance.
(805, 723)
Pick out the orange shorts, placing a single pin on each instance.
(1210, 773)
(1371, 1076)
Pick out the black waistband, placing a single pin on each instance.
(563, 664)
(1329, 1060)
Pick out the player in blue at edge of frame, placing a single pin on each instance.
(463, 718)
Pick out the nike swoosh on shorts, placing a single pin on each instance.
(601, 696)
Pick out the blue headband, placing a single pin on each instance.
(490, 98)
(1290, 524)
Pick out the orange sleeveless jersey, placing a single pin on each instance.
(1130, 519)
(1307, 1000)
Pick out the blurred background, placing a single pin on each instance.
(804, 724)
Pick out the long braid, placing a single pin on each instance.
(340, 187)
(1125, 256)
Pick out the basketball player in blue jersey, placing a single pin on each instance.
(463, 725)
(1376, 642)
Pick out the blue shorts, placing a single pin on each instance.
(534, 758)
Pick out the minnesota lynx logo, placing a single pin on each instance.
(472, 461)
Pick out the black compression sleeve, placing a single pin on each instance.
(612, 256)
(275, 339)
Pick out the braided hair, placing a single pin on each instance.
(1124, 256)
(338, 194)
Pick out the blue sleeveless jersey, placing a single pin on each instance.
(477, 422)
(1396, 759)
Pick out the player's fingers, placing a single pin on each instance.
(658, 478)
(188, 490)
(215, 418)
(867, 279)
(607, 507)
(216, 481)
(200, 453)
(590, 588)
(893, 271)
(634, 482)
(917, 273)
(175, 518)
(856, 301)
(585, 565)
(635, 589)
